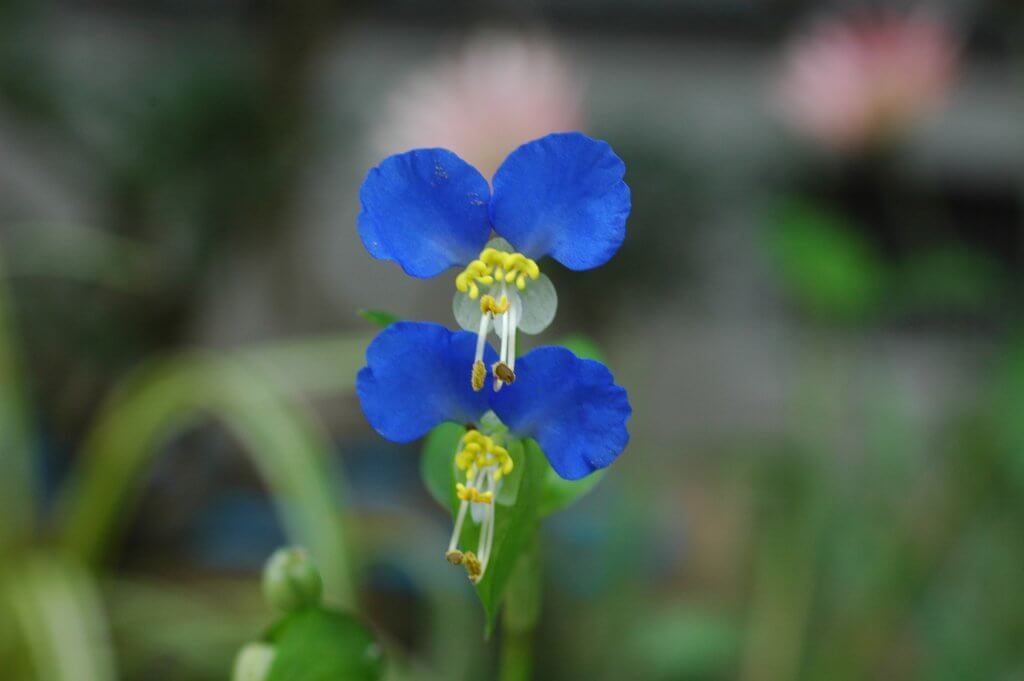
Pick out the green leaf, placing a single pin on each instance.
(436, 465)
(514, 531)
(560, 493)
(57, 610)
(381, 318)
(169, 396)
(950, 278)
(824, 263)
(583, 346)
(322, 645)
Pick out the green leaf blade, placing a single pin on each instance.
(321, 645)
(379, 318)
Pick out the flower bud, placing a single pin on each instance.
(253, 662)
(290, 581)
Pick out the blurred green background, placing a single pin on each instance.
(816, 313)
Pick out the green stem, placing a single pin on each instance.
(522, 611)
(516, 655)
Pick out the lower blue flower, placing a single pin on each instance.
(415, 380)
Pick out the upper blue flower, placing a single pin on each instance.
(415, 380)
(561, 195)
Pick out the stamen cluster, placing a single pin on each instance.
(485, 462)
(496, 266)
(497, 269)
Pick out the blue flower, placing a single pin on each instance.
(414, 381)
(562, 195)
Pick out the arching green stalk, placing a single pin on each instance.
(166, 397)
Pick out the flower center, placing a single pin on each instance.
(484, 462)
(500, 274)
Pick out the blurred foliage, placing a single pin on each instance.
(319, 645)
(861, 534)
(824, 264)
(951, 279)
(685, 642)
(308, 642)
(379, 318)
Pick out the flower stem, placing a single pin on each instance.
(520, 616)
(516, 655)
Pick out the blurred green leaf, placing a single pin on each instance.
(190, 626)
(381, 318)
(683, 642)
(57, 609)
(321, 645)
(560, 493)
(436, 463)
(583, 346)
(950, 278)
(169, 396)
(824, 263)
(81, 254)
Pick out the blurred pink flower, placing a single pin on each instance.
(496, 94)
(858, 82)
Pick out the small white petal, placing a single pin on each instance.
(467, 311)
(538, 304)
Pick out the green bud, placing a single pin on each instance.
(253, 662)
(290, 581)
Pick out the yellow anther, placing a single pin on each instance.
(472, 565)
(479, 376)
(494, 265)
(489, 304)
(476, 272)
(454, 557)
(472, 494)
(480, 452)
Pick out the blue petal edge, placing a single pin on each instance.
(417, 375)
(563, 195)
(426, 210)
(571, 406)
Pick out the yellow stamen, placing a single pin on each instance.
(472, 494)
(494, 265)
(473, 567)
(479, 376)
(489, 305)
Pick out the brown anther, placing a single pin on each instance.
(454, 557)
(472, 565)
(504, 373)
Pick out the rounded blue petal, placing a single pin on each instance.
(563, 196)
(571, 406)
(425, 209)
(417, 375)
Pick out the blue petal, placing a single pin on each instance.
(563, 196)
(417, 375)
(571, 406)
(425, 209)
